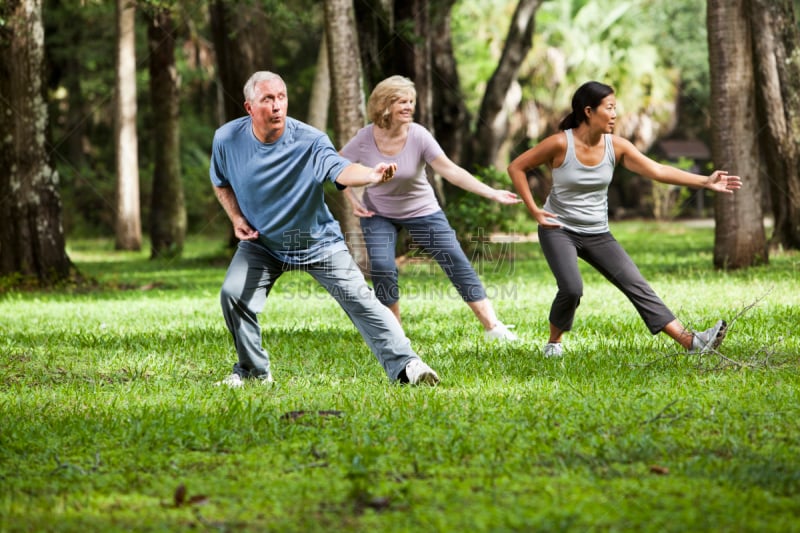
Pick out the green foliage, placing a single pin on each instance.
(679, 29)
(605, 40)
(668, 201)
(644, 48)
(475, 218)
(479, 30)
(79, 36)
(112, 422)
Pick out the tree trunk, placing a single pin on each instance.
(413, 53)
(348, 97)
(450, 115)
(739, 233)
(375, 30)
(168, 210)
(321, 90)
(776, 42)
(414, 59)
(492, 127)
(242, 46)
(31, 235)
(128, 222)
(395, 39)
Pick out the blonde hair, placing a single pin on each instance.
(257, 77)
(384, 95)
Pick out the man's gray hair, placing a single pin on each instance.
(261, 75)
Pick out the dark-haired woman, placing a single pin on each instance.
(573, 222)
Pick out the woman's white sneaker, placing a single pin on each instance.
(553, 349)
(710, 339)
(501, 332)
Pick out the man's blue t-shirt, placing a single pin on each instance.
(279, 187)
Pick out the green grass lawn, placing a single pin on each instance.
(111, 420)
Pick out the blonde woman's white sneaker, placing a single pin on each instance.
(501, 332)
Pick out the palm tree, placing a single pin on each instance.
(603, 40)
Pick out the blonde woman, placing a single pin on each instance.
(408, 201)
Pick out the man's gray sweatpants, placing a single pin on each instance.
(250, 278)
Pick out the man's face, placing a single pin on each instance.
(268, 109)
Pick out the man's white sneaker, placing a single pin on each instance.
(501, 333)
(553, 349)
(265, 380)
(418, 373)
(235, 381)
(709, 339)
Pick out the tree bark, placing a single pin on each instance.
(492, 127)
(450, 115)
(739, 232)
(348, 98)
(168, 210)
(240, 33)
(394, 39)
(31, 235)
(128, 226)
(321, 90)
(241, 37)
(413, 53)
(776, 42)
(375, 30)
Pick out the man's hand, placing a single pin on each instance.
(358, 175)
(243, 231)
(383, 172)
(388, 172)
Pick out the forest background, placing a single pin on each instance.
(631, 58)
(111, 420)
(493, 77)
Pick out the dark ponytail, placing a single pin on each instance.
(590, 94)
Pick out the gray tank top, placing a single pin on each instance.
(580, 193)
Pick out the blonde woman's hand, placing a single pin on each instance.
(360, 210)
(505, 197)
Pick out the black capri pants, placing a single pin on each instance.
(562, 248)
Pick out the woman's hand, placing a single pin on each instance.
(359, 210)
(355, 202)
(546, 219)
(721, 181)
(505, 197)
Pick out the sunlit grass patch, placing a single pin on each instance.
(112, 420)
